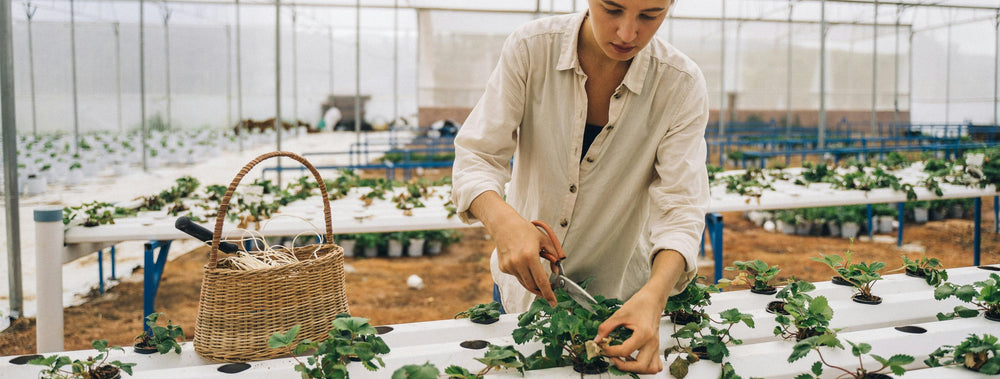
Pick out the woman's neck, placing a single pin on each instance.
(590, 53)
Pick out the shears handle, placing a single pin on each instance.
(555, 257)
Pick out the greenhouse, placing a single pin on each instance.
(500, 188)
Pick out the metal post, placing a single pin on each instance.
(357, 73)
(736, 73)
(722, 74)
(277, 82)
(239, 80)
(947, 74)
(331, 69)
(48, 280)
(29, 11)
(9, 133)
(229, 77)
(295, 70)
(822, 76)
(118, 74)
(895, 95)
(996, 65)
(395, 63)
(166, 51)
(788, 77)
(875, 69)
(142, 81)
(76, 105)
(909, 80)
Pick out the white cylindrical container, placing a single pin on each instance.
(416, 247)
(348, 246)
(35, 185)
(885, 224)
(395, 248)
(48, 278)
(849, 229)
(920, 215)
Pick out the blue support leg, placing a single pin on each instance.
(114, 275)
(871, 229)
(153, 271)
(996, 214)
(977, 203)
(713, 221)
(100, 271)
(702, 251)
(899, 232)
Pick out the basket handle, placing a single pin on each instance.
(224, 204)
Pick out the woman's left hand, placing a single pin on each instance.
(641, 314)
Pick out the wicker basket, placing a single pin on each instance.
(240, 309)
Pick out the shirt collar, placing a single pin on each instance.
(568, 58)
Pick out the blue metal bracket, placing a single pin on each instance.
(153, 271)
(100, 268)
(899, 232)
(713, 223)
(871, 225)
(976, 229)
(996, 214)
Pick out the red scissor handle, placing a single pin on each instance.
(552, 256)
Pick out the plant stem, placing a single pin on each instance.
(832, 366)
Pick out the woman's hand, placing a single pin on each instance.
(641, 314)
(518, 243)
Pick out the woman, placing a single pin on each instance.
(605, 125)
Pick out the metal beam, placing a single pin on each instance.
(9, 134)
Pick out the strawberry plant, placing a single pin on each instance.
(351, 338)
(976, 353)
(806, 316)
(757, 274)
(425, 371)
(928, 268)
(496, 358)
(712, 345)
(688, 305)
(801, 349)
(162, 339)
(565, 330)
(861, 275)
(487, 313)
(96, 367)
(984, 294)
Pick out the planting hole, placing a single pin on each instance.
(383, 329)
(911, 329)
(233, 368)
(474, 344)
(24, 359)
(990, 268)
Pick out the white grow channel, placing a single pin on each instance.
(907, 302)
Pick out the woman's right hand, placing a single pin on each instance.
(518, 245)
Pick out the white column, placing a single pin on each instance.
(48, 278)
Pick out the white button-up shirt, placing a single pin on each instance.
(642, 186)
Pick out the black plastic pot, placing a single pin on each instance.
(701, 352)
(143, 348)
(806, 333)
(859, 298)
(876, 376)
(990, 268)
(915, 274)
(24, 359)
(233, 368)
(681, 318)
(767, 291)
(485, 321)
(840, 281)
(596, 367)
(992, 316)
(107, 372)
(474, 344)
(777, 306)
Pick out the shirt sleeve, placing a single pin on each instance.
(680, 193)
(486, 142)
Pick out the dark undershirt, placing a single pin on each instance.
(589, 134)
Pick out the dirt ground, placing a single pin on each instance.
(459, 278)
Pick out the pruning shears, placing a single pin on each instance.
(558, 279)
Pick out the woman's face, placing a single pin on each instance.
(623, 27)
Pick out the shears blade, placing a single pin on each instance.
(575, 292)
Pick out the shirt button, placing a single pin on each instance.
(590, 160)
(618, 95)
(563, 223)
(572, 188)
(611, 127)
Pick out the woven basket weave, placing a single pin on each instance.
(240, 309)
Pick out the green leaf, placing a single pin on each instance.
(817, 368)
(679, 368)
(965, 293)
(858, 349)
(425, 371)
(944, 291)
(100, 345)
(966, 312)
(280, 340)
